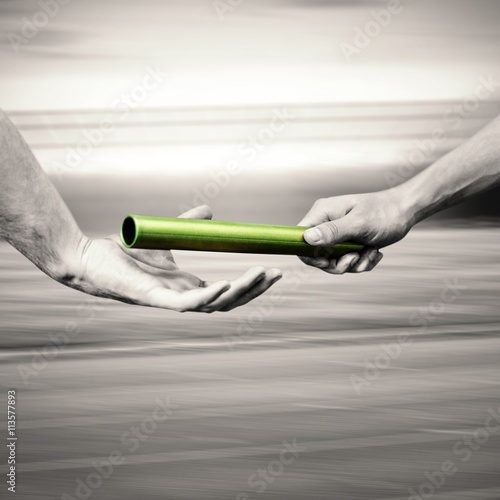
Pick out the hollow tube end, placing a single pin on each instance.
(129, 231)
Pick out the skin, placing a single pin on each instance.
(382, 218)
(36, 221)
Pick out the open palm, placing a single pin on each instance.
(152, 278)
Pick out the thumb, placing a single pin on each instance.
(331, 233)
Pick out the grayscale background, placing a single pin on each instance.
(309, 363)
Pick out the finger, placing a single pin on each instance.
(333, 232)
(314, 217)
(238, 288)
(319, 262)
(159, 259)
(367, 261)
(201, 212)
(375, 262)
(271, 277)
(342, 264)
(192, 300)
(324, 210)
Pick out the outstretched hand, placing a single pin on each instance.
(152, 278)
(373, 219)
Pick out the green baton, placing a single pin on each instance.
(144, 231)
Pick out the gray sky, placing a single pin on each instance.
(280, 51)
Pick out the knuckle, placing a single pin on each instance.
(319, 203)
(355, 268)
(330, 231)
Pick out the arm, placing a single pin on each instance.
(36, 221)
(33, 217)
(385, 217)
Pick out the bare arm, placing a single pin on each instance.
(471, 168)
(33, 217)
(385, 217)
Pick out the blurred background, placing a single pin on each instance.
(256, 108)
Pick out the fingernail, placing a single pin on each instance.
(313, 235)
(278, 273)
(258, 270)
(373, 254)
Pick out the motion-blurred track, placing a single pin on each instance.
(308, 369)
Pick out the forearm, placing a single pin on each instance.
(470, 169)
(33, 216)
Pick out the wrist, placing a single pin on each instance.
(406, 202)
(67, 268)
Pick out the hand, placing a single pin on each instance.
(152, 278)
(374, 219)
